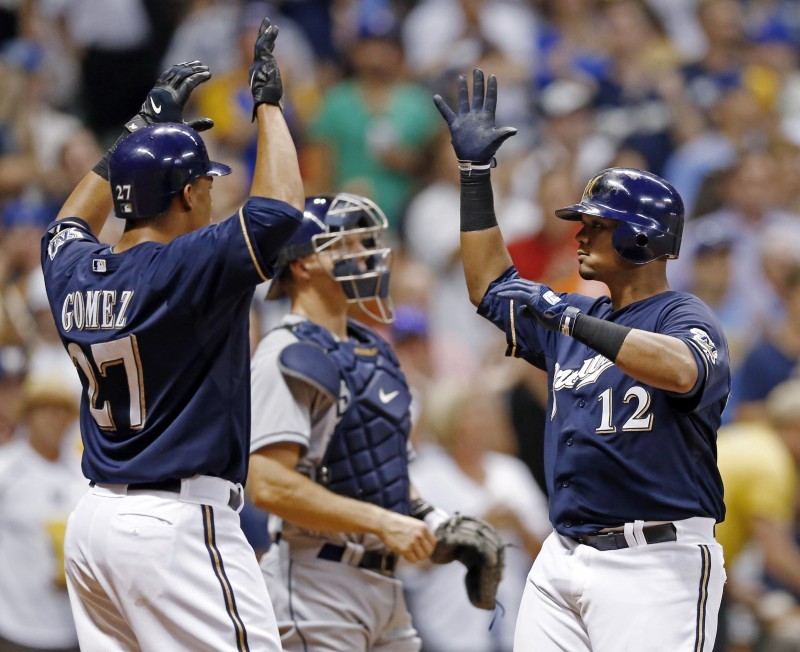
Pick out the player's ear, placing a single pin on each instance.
(300, 267)
(187, 197)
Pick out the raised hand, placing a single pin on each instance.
(542, 304)
(165, 102)
(473, 132)
(265, 77)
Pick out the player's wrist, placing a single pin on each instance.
(101, 167)
(424, 511)
(603, 336)
(477, 201)
(469, 168)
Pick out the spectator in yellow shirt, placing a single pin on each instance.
(759, 466)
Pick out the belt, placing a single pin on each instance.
(173, 485)
(162, 485)
(380, 561)
(661, 533)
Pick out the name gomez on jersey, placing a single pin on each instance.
(616, 449)
(159, 334)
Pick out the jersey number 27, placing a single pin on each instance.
(104, 355)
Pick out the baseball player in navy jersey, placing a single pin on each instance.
(157, 326)
(638, 383)
(330, 445)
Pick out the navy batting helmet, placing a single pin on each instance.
(649, 211)
(152, 165)
(349, 229)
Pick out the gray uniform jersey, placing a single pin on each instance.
(286, 409)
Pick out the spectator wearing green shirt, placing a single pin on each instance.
(374, 130)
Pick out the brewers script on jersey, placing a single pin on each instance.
(638, 381)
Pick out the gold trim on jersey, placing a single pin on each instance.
(513, 329)
(250, 246)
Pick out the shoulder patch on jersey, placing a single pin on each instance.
(309, 363)
(704, 344)
(61, 238)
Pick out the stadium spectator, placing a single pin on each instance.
(759, 462)
(35, 612)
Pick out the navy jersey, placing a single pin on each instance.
(159, 335)
(617, 449)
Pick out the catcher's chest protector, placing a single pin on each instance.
(367, 456)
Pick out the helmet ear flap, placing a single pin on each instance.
(649, 212)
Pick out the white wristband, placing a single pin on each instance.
(469, 166)
(435, 518)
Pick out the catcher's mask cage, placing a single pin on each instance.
(348, 229)
(649, 211)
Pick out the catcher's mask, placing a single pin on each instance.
(348, 228)
(649, 211)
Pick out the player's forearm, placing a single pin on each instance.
(299, 500)
(483, 250)
(91, 201)
(485, 258)
(659, 360)
(277, 171)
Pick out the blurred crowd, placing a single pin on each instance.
(703, 92)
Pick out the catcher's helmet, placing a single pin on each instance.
(649, 211)
(348, 228)
(152, 165)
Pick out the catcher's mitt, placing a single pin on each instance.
(478, 546)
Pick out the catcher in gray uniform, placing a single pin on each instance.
(329, 451)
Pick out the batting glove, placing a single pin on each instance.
(165, 102)
(265, 77)
(542, 304)
(473, 132)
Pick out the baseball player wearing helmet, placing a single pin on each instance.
(331, 421)
(638, 383)
(157, 326)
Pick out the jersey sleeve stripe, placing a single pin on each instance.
(513, 328)
(69, 223)
(701, 355)
(250, 246)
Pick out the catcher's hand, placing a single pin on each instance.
(265, 77)
(165, 102)
(542, 304)
(473, 132)
(478, 546)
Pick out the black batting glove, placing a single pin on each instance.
(165, 102)
(473, 132)
(265, 77)
(541, 304)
